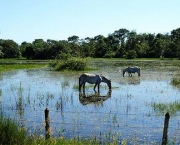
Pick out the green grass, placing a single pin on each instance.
(10, 67)
(176, 81)
(11, 133)
(162, 108)
(14, 64)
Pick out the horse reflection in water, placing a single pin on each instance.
(95, 98)
(131, 70)
(93, 79)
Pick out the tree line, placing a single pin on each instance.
(121, 43)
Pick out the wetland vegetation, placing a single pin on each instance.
(132, 113)
(135, 104)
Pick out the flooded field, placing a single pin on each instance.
(127, 113)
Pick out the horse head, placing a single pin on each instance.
(107, 81)
(109, 84)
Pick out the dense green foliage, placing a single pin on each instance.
(70, 64)
(121, 43)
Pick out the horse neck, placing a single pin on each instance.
(126, 70)
(104, 79)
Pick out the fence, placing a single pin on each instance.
(165, 129)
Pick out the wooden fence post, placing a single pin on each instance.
(165, 130)
(47, 121)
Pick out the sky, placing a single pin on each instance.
(27, 20)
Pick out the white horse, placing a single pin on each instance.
(131, 70)
(93, 79)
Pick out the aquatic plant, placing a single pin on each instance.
(176, 81)
(162, 108)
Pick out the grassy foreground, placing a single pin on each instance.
(11, 133)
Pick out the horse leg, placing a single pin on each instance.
(80, 84)
(95, 87)
(83, 86)
(98, 87)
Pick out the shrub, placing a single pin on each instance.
(70, 64)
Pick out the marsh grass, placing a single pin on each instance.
(9, 67)
(176, 81)
(162, 108)
(14, 64)
(10, 133)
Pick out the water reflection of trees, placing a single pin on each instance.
(95, 97)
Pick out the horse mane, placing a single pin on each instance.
(104, 79)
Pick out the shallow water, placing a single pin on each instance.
(126, 112)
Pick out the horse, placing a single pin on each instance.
(93, 79)
(131, 70)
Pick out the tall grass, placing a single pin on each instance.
(10, 67)
(10, 133)
(162, 108)
(176, 81)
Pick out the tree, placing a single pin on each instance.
(131, 41)
(175, 37)
(73, 39)
(131, 54)
(100, 46)
(9, 49)
(55, 48)
(121, 35)
(1, 52)
(27, 50)
(40, 49)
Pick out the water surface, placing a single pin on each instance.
(126, 112)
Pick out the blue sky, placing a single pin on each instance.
(27, 20)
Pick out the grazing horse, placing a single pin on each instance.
(93, 79)
(131, 70)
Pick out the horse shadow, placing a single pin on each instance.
(93, 98)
